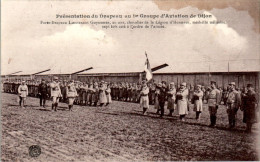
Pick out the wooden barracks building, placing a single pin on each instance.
(242, 73)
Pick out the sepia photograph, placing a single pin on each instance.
(128, 80)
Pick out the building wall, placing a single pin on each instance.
(49, 77)
(222, 79)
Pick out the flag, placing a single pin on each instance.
(147, 69)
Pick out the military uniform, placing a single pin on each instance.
(250, 109)
(213, 102)
(129, 92)
(108, 95)
(144, 99)
(71, 94)
(43, 92)
(171, 96)
(84, 93)
(182, 96)
(197, 101)
(134, 93)
(156, 100)
(23, 93)
(95, 94)
(102, 94)
(116, 86)
(90, 92)
(162, 97)
(233, 104)
(55, 94)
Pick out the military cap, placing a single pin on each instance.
(184, 84)
(213, 82)
(55, 78)
(199, 86)
(144, 82)
(163, 82)
(232, 83)
(249, 85)
(172, 83)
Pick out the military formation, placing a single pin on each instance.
(161, 95)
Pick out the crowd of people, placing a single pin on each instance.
(161, 94)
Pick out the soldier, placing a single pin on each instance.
(134, 92)
(156, 98)
(249, 108)
(55, 93)
(129, 92)
(102, 94)
(197, 101)
(233, 104)
(213, 102)
(144, 100)
(84, 93)
(121, 92)
(23, 93)
(80, 93)
(182, 97)
(108, 95)
(171, 94)
(153, 88)
(116, 86)
(125, 93)
(191, 92)
(43, 92)
(71, 93)
(162, 96)
(150, 94)
(112, 87)
(95, 94)
(138, 92)
(90, 93)
(63, 91)
(224, 96)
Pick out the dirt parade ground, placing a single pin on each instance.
(118, 132)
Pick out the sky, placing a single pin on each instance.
(27, 45)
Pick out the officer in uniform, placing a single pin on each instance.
(95, 94)
(233, 104)
(144, 99)
(182, 99)
(197, 101)
(43, 92)
(71, 94)
(23, 93)
(171, 96)
(213, 102)
(250, 108)
(162, 96)
(55, 93)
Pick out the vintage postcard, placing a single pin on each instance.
(162, 80)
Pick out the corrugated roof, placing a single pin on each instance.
(29, 72)
(64, 70)
(114, 69)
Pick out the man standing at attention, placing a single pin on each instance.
(250, 108)
(213, 102)
(233, 104)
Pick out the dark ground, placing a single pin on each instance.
(118, 133)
